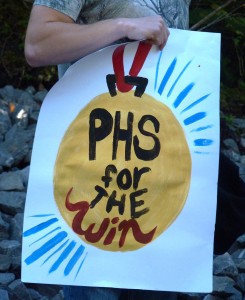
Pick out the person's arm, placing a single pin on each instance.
(54, 38)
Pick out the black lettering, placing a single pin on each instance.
(98, 133)
(154, 152)
(123, 135)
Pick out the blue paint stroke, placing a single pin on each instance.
(194, 118)
(200, 152)
(63, 256)
(81, 265)
(57, 228)
(203, 142)
(195, 103)
(63, 245)
(157, 69)
(74, 260)
(202, 128)
(182, 95)
(167, 76)
(41, 216)
(46, 247)
(39, 227)
(178, 78)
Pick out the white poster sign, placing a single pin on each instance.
(123, 179)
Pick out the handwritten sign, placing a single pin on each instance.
(123, 180)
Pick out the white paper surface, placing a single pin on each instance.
(180, 259)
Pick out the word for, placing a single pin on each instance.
(125, 180)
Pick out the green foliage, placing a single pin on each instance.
(13, 67)
(226, 17)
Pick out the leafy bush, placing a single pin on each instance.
(226, 17)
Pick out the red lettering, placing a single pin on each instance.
(93, 237)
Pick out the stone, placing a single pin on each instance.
(239, 123)
(4, 228)
(9, 247)
(5, 262)
(4, 295)
(12, 202)
(212, 297)
(40, 95)
(231, 144)
(223, 285)
(20, 290)
(224, 265)
(24, 175)
(6, 278)
(16, 227)
(16, 262)
(5, 122)
(11, 181)
(240, 281)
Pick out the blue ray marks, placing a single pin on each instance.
(203, 142)
(194, 118)
(195, 103)
(46, 247)
(81, 265)
(63, 256)
(183, 94)
(167, 76)
(39, 227)
(74, 260)
(202, 128)
(157, 69)
(56, 251)
(200, 152)
(41, 216)
(57, 228)
(178, 78)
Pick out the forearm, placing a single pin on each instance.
(60, 42)
(54, 38)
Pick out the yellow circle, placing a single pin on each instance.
(159, 193)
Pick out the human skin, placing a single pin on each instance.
(53, 38)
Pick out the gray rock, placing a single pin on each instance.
(231, 144)
(6, 278)
(5, 262)
(11, 181)
(10, 247)
(12, 202)
(31, 90)
(240, 281)
(16, 227)
(223, 285)
(6, 158)
(34, 294)
(4, 228)
(4, 295)
(5, 122)
(8, 93)
(241, 266)
(212, 297)
(239, 123)
(224, 265)
(16, 262)
(20, 290)
(40, 96)
(24, 175)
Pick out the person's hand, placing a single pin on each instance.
(151, 29)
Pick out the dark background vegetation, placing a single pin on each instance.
(226, 17)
